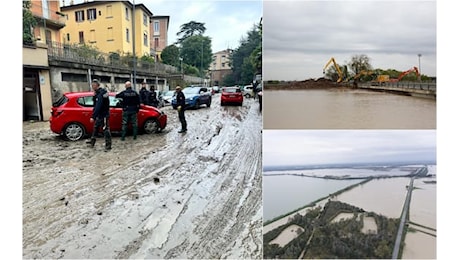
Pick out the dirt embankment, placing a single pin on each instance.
(320, 83)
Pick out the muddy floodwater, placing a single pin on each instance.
(346, 109)
(167, 195)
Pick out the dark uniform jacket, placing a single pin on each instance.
(145, 96)
(101, 104)
(180, 99)
(131, 100)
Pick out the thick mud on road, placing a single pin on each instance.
(167, 195)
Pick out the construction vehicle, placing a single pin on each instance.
(404, 73)
(337, 68)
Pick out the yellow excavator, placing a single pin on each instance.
(337, 68)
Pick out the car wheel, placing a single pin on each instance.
(222, 103)
(247, 96)
(74, 132)
(209, 103)
(151, 126)
(197, 104)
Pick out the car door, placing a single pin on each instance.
(116, 111)
(204, 95)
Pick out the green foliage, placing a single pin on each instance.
(190, 29)
(332, 240)
(245, 68)
(170, 55)
(87, 51)
(196, 51)
(360, 62)
(28, 22)
(191, 70)
(147, 58)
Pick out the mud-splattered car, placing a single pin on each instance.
(70, 116)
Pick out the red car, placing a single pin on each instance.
(70, 116)
(231, 95)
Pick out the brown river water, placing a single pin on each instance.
(346, 109)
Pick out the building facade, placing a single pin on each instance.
(36, 82)
(159, 32)
(220, 67)
(109, 26)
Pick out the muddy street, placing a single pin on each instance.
(166, 195)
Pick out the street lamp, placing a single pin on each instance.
(419, 66)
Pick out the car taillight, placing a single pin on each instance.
(55, 112)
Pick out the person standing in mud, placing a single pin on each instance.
(153, 97)
(101, 114)
(144, 94)
(131, 105)
(180, 97)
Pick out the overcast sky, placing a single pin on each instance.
(311, 147)
(226, 22)
(301, 36)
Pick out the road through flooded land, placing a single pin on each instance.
(167, 195)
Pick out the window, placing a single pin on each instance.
(92, 36)
(91, 14)
(127, 13)
(127, 35)
(156, 42)
(156, 27)
(223, 56)
(146, 39)
(109, 11)
(145, 19)
(110, 33)
(79, 16)
(81, 37)
(223, 64)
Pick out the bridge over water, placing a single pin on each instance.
(420, 89)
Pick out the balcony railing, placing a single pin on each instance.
(84, 55)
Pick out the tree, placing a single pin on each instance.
(190, 29)
(196, 51)
(170, 55)
(360, 62)
(246, 60)
(28, 22)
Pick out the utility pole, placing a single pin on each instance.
(134, 46)
(419, 66)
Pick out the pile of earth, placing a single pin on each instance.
(305, 84)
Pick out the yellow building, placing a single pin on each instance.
(108, 26)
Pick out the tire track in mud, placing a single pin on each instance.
(148, 208)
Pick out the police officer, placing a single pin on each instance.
(180, 97)
(131, 105)
(144, 94)
(101, 114)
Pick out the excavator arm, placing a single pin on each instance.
(414, 69)
(337, 68)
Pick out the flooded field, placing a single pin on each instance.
(346, 109)
(282, 194)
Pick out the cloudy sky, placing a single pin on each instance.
(226, 22)
(301, 36)
(311, 147)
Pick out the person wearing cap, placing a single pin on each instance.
(101, 114)
(131, 105)
(180, 97)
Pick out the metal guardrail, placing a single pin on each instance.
(404, 85)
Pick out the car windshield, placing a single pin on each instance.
(61, 101)
(194, 90)
(168, 93)
(230, 90)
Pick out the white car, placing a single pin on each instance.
(167, 96)
(248, 91)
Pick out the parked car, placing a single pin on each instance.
(216, 89)
(231, 95)
(167, 97)
(71, 113)
(161, 102)
(248, 91)
(195, 96)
